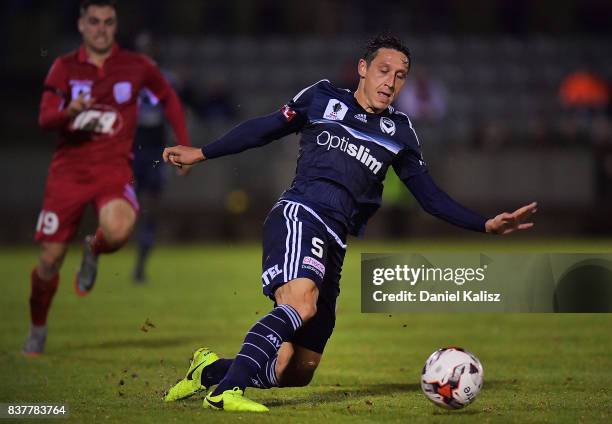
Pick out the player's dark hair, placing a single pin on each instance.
(386, 41)
(100, 3)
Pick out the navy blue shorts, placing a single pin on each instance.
(298, 244)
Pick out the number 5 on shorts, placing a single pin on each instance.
(317, 247)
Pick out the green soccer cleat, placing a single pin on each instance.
(233, 400)
(191, 384)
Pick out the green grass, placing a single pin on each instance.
(538, 367)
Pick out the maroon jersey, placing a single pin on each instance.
(101, 136)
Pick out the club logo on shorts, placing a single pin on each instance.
(387, 126)
(335, 110)
(122, 91)
(312, 264)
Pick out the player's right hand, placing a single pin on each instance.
(183, 155)
(78, 105)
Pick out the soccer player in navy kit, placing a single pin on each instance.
(349, 140)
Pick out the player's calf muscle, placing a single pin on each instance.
(298, 373)
(296, 365)
(296, 378)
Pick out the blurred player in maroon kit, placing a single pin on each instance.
(90, 98)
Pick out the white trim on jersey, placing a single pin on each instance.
(297, 96)
(313, 213)
(415, 134)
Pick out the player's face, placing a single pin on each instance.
(98, 26)
(383, 79)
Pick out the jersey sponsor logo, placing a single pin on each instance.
(270, 273)
(362, 117)
(387, 126)
(122, 91)
(78, 87)
(335, 110)
(100, 119)
(314, 265)
(288, 113)
(359, 152)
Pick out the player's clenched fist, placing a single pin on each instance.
(78, 105)
(183, 155)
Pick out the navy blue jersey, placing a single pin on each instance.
(345, 153)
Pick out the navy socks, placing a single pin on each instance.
(256, 360)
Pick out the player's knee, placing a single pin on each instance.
(301, 294)
(306, 310)
(50, 262)
(118, 232)
(48, 265)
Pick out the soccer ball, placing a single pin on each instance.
(452, 377)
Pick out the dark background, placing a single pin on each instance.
(503, 138)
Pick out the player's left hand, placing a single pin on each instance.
(506, 223)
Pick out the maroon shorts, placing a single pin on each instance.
(67, 195)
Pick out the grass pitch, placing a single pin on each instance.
(111, 355)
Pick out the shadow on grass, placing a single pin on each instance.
(340, 394)
(145, 343)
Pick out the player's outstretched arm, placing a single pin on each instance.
(506, 223)
(436, 202)
(255, 132)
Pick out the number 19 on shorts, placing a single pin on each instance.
(48, 222)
